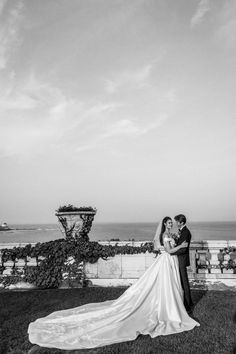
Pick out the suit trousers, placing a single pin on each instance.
(185, 285)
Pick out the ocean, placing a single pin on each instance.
(31, 233)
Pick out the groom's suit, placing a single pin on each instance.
(183, 258)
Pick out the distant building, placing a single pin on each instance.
(4, 227)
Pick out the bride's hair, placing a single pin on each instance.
(163, 227)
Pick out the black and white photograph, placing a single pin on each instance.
(117, 176)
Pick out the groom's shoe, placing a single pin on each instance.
(190, 310)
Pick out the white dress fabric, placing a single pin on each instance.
(153, 305)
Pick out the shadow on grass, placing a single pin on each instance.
(198, 295)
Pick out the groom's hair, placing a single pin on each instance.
(180, 218)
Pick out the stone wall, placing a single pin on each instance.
(205, 269)
(208, 266)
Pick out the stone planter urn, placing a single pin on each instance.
(75, 222)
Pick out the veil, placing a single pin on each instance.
(156, 240)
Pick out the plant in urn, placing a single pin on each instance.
(75, 222)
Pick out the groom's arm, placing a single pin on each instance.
(180, 251)
(185, 238)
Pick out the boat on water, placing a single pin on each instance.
(4, 227)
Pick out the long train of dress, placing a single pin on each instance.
(153, 305)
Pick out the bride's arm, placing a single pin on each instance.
(170, 250)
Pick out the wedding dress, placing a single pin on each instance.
(153, 305)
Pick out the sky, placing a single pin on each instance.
(127, 106)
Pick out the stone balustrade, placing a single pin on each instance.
(209, 265)
(205, 267)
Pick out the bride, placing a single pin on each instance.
(153, 305)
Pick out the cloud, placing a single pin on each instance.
(226, 31)
(132, 78)
(2, 5)
(35, 115)
(27, 125)
(128, 127)
(30, 94)
(102, 107)
(125, 128)
(200, 13)
(18, 101)
(9, 36)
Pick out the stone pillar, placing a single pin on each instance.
(192, 255)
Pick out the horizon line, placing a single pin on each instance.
(119, 222)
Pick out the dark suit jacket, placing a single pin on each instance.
(183, 253)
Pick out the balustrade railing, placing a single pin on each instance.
(208, 260)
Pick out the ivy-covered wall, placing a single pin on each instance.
(62, 262)
(59, 260)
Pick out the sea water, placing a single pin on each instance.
(32, 233)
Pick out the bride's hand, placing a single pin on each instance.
(184, 244)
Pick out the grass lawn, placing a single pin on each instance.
(215, 310)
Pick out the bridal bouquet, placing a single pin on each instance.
(175, 237)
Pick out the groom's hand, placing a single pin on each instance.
(184, 244)
(183, 247)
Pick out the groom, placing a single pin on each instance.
(183, 257)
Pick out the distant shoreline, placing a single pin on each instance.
(18, 229)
